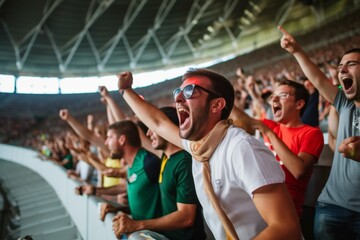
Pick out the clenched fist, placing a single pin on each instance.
(103, 91)
(64, 114)
(125, 80)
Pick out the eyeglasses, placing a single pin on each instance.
(282, 95)
(188, 91)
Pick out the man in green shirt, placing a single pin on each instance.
(182, 217)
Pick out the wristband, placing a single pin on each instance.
(94, 190)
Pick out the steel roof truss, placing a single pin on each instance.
(93, 48)
(105, 4)
(128, 20)
(55, 48)
(161, 14)
(47, 14)
(286, 8)
(14, 45)
(35, 33)
(128, 48)
(191, 20)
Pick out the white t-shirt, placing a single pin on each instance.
(239, 165)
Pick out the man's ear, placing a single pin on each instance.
(217, 105)
(300, 104)
(122, 140)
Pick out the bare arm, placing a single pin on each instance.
(298, 165)
(92, 190)
(82, 131)
(311, 71)
(109, 115)
(116, 112)
(275, 206)
(90, 122)
(257, 101)
(150, 115)
(242, 120)
(119, 115)
(333, 123)
(182, 218)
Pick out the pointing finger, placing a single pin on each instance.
(283, 31)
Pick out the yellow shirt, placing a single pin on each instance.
(111, 181)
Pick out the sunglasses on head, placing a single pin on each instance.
(188, 91)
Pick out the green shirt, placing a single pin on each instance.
(143, 188)
(177, 186)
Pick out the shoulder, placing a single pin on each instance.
(238, 144)
(150, 157)
(341, 101)
(181, 158)
(311, 131)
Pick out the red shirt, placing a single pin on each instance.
(305, 139)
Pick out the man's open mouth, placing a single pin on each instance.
(184, 116)
(348, 82)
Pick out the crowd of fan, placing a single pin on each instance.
(77, 148)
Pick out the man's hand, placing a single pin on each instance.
(122, 198)
(125, 80)
(64, 114)
(106, 208)
(123, 224)
(85, 189)
(250, 83)
(258, 124)
(350, 148)
(288, 42)
(103, 91)
(114, 172)
(71, 173)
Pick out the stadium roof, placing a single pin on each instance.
(63, 38)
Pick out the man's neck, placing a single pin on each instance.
(130, 154)
(171, 149)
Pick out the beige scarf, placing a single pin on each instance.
(202, 150)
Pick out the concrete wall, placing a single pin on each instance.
(82, 209)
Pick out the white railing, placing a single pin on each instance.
(82, 209)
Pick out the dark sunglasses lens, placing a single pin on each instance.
(188, 91)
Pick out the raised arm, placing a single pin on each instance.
(333, 124)
(257, 101)
(311, 71)
(109, 114)
(117, 113)
(90, 122)
(82, 131)
(150, 115)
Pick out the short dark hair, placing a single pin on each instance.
(353, 50)
(129, 129)
(300, 91)
(220, 85)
